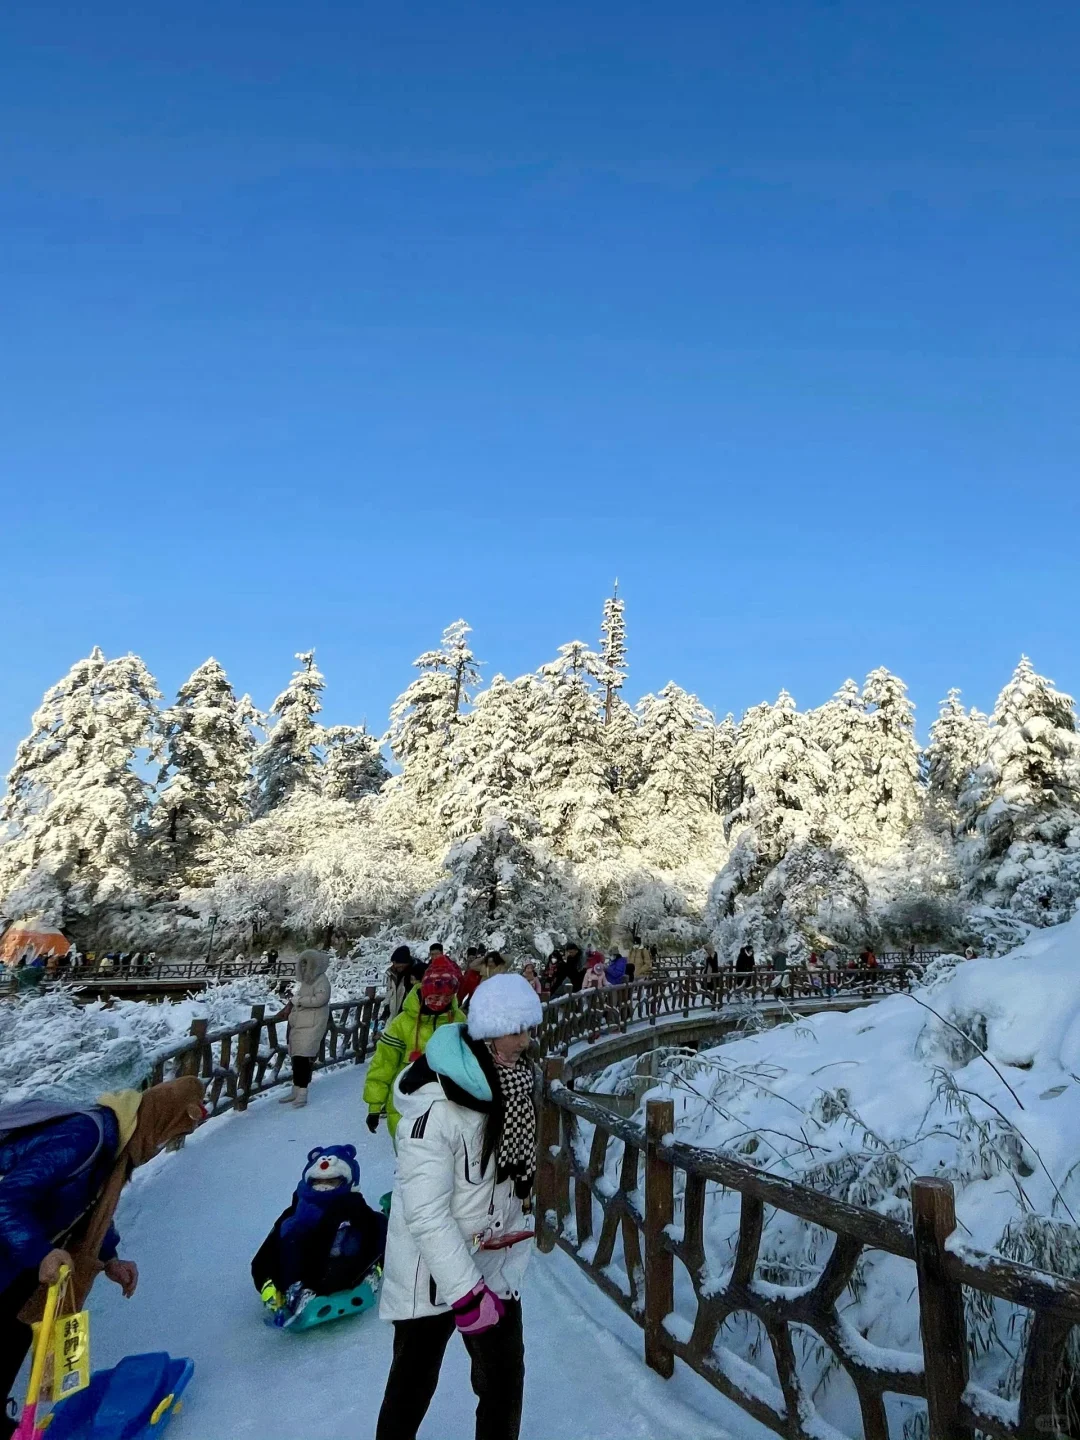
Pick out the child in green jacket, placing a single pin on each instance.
(433, 1002)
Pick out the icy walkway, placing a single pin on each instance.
(193, 1220)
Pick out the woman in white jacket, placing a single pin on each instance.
(458, 1242)
(308, 1014)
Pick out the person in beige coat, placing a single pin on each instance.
(308, 1014)
(640, 957)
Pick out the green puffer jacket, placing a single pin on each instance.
(403, 1041)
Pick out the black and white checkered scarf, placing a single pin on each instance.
(515, 1155)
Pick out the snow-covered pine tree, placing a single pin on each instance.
(576, 806)
(612, 671)
(724, 790)
(676, 733)
(502, 890)
(425, 719)
(354, 765)
(958, 742)
(622, 749)
(290, 760)
(493, 775)
(205, 747)
(784, 778)
(1024, 801)
(894, 761)
(74, 798)
(843, 730)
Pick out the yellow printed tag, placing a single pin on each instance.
(71, 1355)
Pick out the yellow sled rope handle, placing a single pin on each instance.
(45, 1335)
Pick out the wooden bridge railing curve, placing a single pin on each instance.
(629, 1203)
(586, 1015)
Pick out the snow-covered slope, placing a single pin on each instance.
(193, 1220)
(54, 1048)
(975, 1078)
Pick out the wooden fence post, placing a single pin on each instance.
(203, 1065)
(941, 1309)
(549, 1132)
(659, 1213)
(248, 1058)
(190, 1064)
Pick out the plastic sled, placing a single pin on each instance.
(133, 1401)
(321, 1309)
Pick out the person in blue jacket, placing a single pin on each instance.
(61, 1173)
(616, 970)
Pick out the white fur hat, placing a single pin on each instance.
(503, 1005)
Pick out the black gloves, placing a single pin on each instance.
(373, 1121)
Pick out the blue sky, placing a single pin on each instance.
(326, 324)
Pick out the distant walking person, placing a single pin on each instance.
(744, 966)
(308, 1014)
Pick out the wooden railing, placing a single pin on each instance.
(650, 1193)
(589, 1014)
(243, 1060)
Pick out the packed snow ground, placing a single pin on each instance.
(193, 1220)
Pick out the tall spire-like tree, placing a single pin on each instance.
(424, 719)
(574, 799)
(893, 757)
(612, 671)
(1024, 801)
(958, 743)
(291, 759)
(205, 748)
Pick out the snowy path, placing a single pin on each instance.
(193, 1221)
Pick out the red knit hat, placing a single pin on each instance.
(442, 977)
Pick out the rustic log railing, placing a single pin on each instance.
(589, 1014)
(172, 973)
(654, 1214)
(243, 1060)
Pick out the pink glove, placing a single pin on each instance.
(478, 1311)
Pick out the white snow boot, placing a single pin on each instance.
(301, 1099)
(289, 1099)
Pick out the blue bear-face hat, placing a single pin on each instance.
(342, 1153)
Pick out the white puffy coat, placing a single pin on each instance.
(443, 1207)
(310, 1013)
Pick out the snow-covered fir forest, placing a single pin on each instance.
(515, 812)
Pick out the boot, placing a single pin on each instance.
(301, 1099)
(289, 1099)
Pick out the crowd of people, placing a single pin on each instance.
(451, 1077)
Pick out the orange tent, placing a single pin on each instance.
(20, 940)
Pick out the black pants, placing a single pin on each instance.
(301, 1071)
(15, 1337)
(498, 1375)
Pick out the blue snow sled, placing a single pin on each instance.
(135, 1400)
